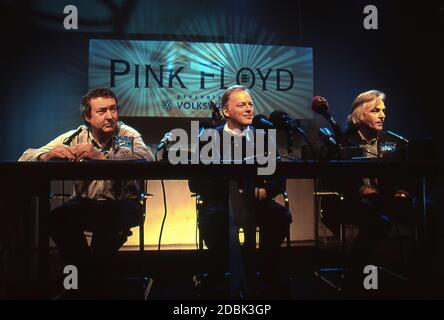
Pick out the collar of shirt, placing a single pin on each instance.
(370, 142)
(97, 145)
(237, 132)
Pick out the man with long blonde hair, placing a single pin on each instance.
(370, 203)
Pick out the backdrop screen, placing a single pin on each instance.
(179, 79)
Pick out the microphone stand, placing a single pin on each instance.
(290, 142)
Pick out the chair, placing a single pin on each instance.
(233, 278)
(144, 195)
(126, 284)
(332, 275)
(200, 202)
(287, 206)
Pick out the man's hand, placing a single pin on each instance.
(401, 194)
(261, 194)
(59, 152)
(86, 151)
(365, 191)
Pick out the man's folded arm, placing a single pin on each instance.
(34, 154)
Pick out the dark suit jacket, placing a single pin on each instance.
(215, 192)
(217, 189)
(390, 148)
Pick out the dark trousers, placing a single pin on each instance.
(374, 215)
(272, 219)
(109, 221)
(215, 226)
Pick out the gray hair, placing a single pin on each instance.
(362, 100)
(229, 91)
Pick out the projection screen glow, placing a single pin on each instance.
(178, 79)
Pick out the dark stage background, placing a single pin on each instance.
(45, 67)
(44, 74)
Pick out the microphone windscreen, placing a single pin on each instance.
(319, 104)
(282, 120)
(261, 122)
(277, 117)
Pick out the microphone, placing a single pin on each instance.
(320, 106)
(216, 114)
(262, 122)
(397, 136)
(327, 137)
(69, 139)
(282, 120)
(165, 141)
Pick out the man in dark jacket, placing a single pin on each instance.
(373, 204)
(228, 205)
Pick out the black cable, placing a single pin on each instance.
(164, 206)
(315, 181)
(195, 236)
(315, 187)
(164, 214)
